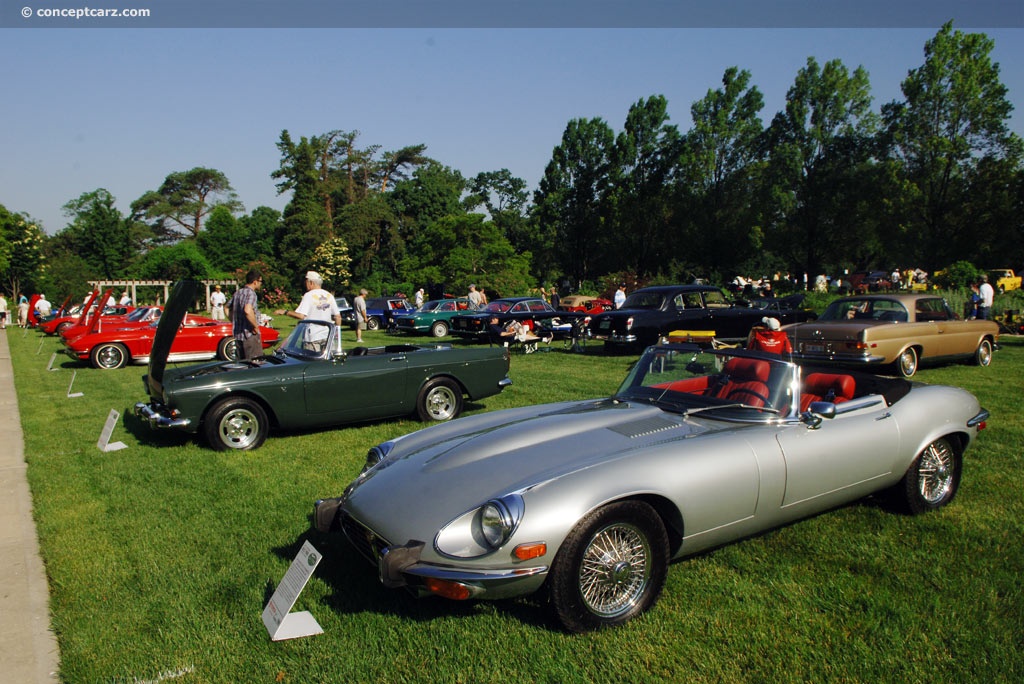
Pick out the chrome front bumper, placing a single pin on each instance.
(157, 418)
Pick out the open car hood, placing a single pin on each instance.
(182, 295)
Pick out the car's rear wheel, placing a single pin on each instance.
(439, 329)
(611, 567)
(109, 356)
(439, 400)
(983, 354)
(373, 323)
(906, 364)
(227, 349)
(933, 479)
(236, 423)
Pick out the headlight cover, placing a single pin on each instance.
(482, 530)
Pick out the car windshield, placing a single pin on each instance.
(865, 309)
(144, 313)
(724, 384)
(432, 305)
(643, 300)
(312, 339)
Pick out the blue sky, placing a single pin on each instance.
(121, 109)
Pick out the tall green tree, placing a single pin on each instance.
(955, 114)
(722, 154)
(646, 155)
(99, 234)
(23, 244)
(572, 207)
(185, 198)
(822, 137)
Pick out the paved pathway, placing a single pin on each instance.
(28, 649)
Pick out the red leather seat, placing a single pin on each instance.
(826, 387)
(745, 382)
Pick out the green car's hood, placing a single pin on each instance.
(182, 295)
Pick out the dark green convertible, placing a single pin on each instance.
(310, 382)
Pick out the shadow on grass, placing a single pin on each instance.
(355, 588)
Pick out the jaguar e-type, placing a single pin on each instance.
(594, 498)
(311, 382)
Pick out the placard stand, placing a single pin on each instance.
(76, 394)
(40, 348)
(108, 429)
(53, 358)
(280, 623)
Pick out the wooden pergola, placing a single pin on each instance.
(132, 285)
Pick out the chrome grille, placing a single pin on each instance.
(366, 541)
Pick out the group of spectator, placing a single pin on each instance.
(40, 307)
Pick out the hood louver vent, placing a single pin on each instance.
(641, 428)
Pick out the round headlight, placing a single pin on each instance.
(495, 523)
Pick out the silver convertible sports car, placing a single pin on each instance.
(594, 498)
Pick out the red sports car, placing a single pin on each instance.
(63, 324)
(198, 339)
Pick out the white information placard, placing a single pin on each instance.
(71, 384)
(53, 357)
(280, 623)
(108, 429)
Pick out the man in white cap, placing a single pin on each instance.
(317, 305)
(42, 306)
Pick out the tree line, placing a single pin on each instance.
(827, 184)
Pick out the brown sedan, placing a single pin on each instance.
(898, 330)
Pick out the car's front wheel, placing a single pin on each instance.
(611, 567)
(933, 479)
(983, 354)
(236, 423)
(227, 349)
(439, 400)
(109, 356)
(373, 323)
(439, 329)
(906, 364)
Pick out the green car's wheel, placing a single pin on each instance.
(109, 356)
(439, 400)
(439, 329)
(611, 567)
(236, 423)
(933, 479)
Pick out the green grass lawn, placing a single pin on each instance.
(160, 557)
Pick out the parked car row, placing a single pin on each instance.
(589, 500)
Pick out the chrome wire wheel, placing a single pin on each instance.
(937, 471)
(615, 571)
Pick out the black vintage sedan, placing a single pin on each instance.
(522, 309)
(311, 382)
(651, 313)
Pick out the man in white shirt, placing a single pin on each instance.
(217, 300)
(317, 305)
(987, 296)
(620, 296)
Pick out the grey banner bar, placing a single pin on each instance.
(966, 14)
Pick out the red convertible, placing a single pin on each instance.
(63, 323)
(109, 346)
